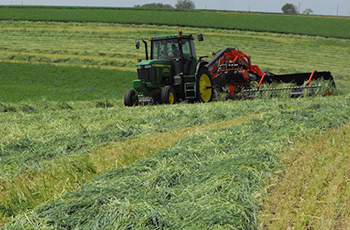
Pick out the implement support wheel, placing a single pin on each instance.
(168, 95)
(205, 91)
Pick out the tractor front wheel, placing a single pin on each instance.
(168, 95)
(205, 89)
(131, 98)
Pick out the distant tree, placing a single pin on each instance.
(185, 4)
(308, 11)
(156, 5)
(289, 8)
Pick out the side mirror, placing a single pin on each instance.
(200, 37)
(137, 45)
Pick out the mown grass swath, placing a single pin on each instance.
(49, 129)
(297, 24)
(37, 132)
(211, 180)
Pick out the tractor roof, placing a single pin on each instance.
(165, 37)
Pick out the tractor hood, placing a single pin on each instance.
(154, 63)
(153, 75)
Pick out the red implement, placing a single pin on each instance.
(232, 69)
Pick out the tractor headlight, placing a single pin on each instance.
(148, 66)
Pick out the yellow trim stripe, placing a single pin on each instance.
(160, 65)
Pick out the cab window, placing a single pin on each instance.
(193, 49)
(170, 49)
(158, 50)
(173, 49)
(186, 49)
(165, 49)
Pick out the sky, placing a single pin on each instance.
(322, 7)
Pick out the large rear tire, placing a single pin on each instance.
(205, 89)
(168, 95)
(131, 98)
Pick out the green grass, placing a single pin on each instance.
(27, 82)
(112, 46)
(297, 24)
(211, 180)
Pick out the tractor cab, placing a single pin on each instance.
(178, 49)
(169, 74)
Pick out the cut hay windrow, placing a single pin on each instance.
(75, 127)
(211, 180)
(51, 144)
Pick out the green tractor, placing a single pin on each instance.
(171, 74)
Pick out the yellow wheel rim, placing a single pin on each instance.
(171, 98)
(205, 88)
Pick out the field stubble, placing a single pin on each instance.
(314, 191)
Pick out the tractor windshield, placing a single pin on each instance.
(171, 48)
(165, 49)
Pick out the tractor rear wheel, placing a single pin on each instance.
(131, 98)
(168, 95)
(205, 90)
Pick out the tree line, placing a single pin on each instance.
(181, 4)
(288, 8)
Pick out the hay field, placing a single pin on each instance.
(82, 160)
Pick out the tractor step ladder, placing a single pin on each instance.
(190, 90)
